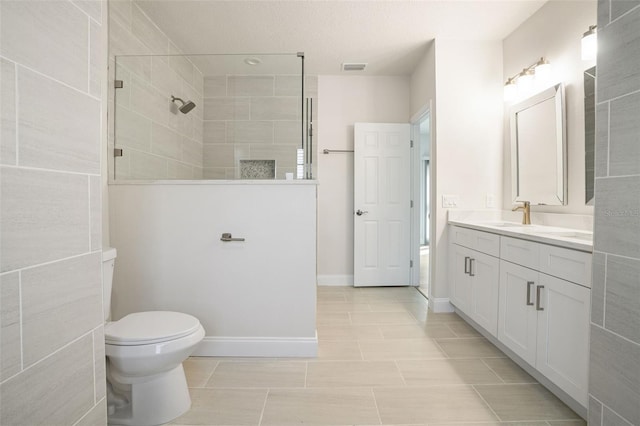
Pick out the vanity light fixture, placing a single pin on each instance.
(522, 84)
(590, 43)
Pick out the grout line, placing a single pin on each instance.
(616, 334)
(55, 261)
(404, 382)
(493, 371)
(608, 136)
(85, 13)
(632, 10)
(604, 292)
(17, 111)
(21, 321)
(88, 54)
(50, 170)
(306, 372)
(211, 375)
(91, 409)
(75, 89)
(264, 406)
(375, 402)
(487, 404)
(93, 350)
(89, 212)
(41, 360)
(616, 98)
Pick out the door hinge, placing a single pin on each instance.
(411, 264)
(117, 152)
(118, 84)
(411, 203)
(411, 143)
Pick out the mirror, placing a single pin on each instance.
(589, 133)
(538, 149)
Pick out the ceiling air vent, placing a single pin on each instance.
(353, 66)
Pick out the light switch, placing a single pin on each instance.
(450, 201)
(491, 201)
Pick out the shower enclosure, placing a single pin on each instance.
(194, 117)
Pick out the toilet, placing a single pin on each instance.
(146, 384)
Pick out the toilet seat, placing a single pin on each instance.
(146, 328)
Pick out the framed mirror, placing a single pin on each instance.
(589, 134)
(539, 149)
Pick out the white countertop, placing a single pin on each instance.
(562, 237)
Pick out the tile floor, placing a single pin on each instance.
(383, 360)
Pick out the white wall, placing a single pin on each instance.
(423, 82)
(555, 32)
(469, 136)
(345, 101)
(254, 298)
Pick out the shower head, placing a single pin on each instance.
(186, 106)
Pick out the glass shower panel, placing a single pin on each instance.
(208, 116)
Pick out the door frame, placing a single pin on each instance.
(424, 112)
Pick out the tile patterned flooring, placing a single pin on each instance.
(383, 360)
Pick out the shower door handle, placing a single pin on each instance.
(228, 237)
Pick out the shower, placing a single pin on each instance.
(186, 106)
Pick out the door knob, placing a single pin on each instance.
(360, 212)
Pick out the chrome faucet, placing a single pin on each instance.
(526, 212)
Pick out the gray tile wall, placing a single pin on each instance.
(159, 142)
(52, 366)
(253, 117)
(614, 376)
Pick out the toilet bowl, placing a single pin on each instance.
(146, 384)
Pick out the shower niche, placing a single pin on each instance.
(203, 117)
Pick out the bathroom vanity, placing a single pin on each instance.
(528, 289)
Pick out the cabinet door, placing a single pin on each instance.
(460, 291)
(518, 320)
(563, 335)
(485, 279)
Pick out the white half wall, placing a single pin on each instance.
(255, 297)
(345, 101)
(555, 32)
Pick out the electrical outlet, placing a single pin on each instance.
(491, 201)
(450, 201)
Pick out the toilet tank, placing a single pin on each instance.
(108, 262)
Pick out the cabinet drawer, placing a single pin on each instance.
(484, 242)
(521, 252)
(570, 265)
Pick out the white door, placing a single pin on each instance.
(484, 270)
(563, 335)
(382, 179)
(460, 293)
(517, 315)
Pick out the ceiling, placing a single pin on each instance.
(391, 36)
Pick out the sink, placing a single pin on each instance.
(585, 236)
(506, 225)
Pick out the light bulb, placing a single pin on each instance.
(510, 90)
(590, 44)
(525, 83)
(543, 72)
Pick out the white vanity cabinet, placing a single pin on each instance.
(544, 317)
(474, 275)
(541, 301)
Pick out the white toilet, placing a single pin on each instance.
(146, 384)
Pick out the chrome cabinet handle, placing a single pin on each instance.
(360, 212)
(228, 237)
(538, 307)
(471, 262)
(466, 264)
(529, 284)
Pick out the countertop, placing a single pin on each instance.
(561, 237)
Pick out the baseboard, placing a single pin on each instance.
(270, 347)
(440, 305)
(335, 280)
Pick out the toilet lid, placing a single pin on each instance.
(142, 328)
